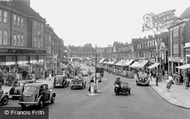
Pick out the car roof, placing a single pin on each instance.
(37, 84)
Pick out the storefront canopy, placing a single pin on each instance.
(139, 64)
(127, 62)
(102, 60)
(119, 63)
(185, 66)
(134, 65)
(111, 62)
(154, 65)
(63, 66)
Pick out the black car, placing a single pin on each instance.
(36, 95)
(78, 82)
(17, 88)
(4, 98)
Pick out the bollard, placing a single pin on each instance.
(92, 89)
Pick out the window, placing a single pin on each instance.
(22, 22)
(176, 48)
(21, 40)
(35, 25)
(18, 39)
(175, 32)
(38, 25)
(38, 42)
(41, 27)
(14, 19)
(34, 41)
(14, 39)
(0, 37)
(0, 15)
(41, 42)
(5, 34)
(5, 16)
(18, 21)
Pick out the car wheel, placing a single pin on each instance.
(53, 99)
(23, 106)
(5, 100)
(41, 103)
(129, 92)
(72, 87)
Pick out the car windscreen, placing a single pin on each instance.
(30, 88)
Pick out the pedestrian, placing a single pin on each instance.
(50, 75)
(181, 79)
(186, 79)
(33, 76)
(170, 82)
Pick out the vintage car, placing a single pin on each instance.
(84, 72)
(17, 88)
(124, 89)
(36, 95)
(60, 81)
(78, 82)
(4, 98)
(142, 79)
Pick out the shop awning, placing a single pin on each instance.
(134, 65)
(111, 62)
(185, 66)
(120, 63)
(139, 64)
(102, 60)
(153, 66)
(127, 62)
(142, 63)
(62, 66)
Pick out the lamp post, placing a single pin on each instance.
(96, 83)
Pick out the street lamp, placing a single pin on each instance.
(96, 83)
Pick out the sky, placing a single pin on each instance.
(102, 22)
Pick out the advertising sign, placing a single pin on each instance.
(158, 22)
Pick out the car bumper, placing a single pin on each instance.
(143, 83)
(76, 85)
(27, 103)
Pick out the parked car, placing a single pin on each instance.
(36, 95)
(17, 88)
(84, 72)
(60, 81)
(4, 98)
(78, 82)
(142, 79)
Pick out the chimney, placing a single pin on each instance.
(27, 2)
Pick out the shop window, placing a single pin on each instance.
(5, 16)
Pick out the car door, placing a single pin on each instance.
(46, 92)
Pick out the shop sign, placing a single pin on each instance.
(158, 22)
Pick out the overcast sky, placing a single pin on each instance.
(101, 22)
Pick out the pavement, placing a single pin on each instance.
(178, 95)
